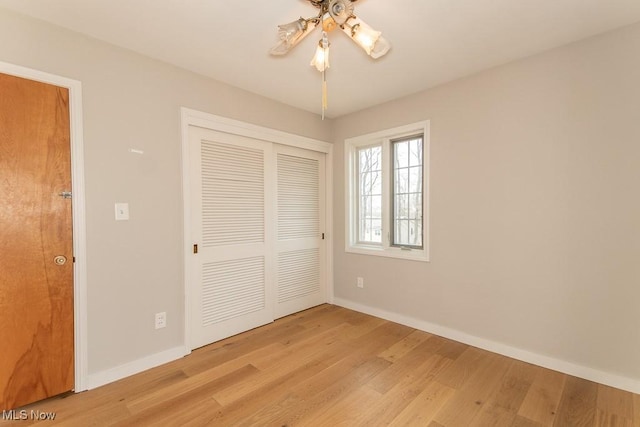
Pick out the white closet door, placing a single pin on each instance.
(231, 212)
(299, 252)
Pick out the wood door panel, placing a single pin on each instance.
(36, 295)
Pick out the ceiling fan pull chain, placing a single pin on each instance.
(325, 46)
(324, 94)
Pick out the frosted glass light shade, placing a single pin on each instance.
(321, 58)
(366, 37)
(291, 34)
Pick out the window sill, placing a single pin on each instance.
(390, 252)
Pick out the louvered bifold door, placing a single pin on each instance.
(299, 260)
(232, 289)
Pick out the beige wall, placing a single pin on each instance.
(535, 210)
(135, 268)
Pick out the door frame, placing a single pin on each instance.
(190, 117)
(77, 211)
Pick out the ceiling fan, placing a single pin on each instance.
(333, 14)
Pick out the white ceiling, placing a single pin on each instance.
(433, 41)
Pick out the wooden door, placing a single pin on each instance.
(300, 280)
(231, 215)
(36, 259)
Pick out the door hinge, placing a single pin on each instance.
(195, 249)
(65, 194)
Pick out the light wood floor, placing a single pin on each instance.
(329, 366)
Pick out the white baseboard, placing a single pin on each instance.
(559, 365)
(132, 368)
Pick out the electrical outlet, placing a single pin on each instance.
(122, 211)
(360, 282)
(161, 320)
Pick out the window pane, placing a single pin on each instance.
(415, 152)
(370, 159)
(402, 181)
(415, 233)
(415, 179)
(376, 231)
(370, 194)
(401, 154)
(402, 232)
(376, 207)
(402, 207)
(407, 187)
(364, 208)
(415, 206)
(376, 183)
(365, 183)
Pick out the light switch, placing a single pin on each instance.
(122, 211)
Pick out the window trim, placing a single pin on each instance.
(385, 138)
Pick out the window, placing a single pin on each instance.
(370, 197)
(386, 193)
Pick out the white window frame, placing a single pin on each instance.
(384, 138)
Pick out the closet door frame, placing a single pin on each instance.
(193, 118)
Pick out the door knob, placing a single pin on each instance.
(60, 260)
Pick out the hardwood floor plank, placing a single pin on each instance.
(521, 421)
(615, 402)
(325, 315)
(452, 349)
(349, 373)
(322, 391)
(301, 350)
(405, 366)
(348, 411)
(425, 406)
(541, 403)
(201, 386)
(336, 367)
(475, 392)
(406, 389)
(578, 404)
(456, 375)
(280, 370)
(263, 399)
(360, 328)
(502, 408)
(606, 419)
(404, 346)
(219, 374)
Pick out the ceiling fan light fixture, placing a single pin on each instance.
(332, 14)
(291, 34)
(381, 48)
(370, 40)
(321, 58)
